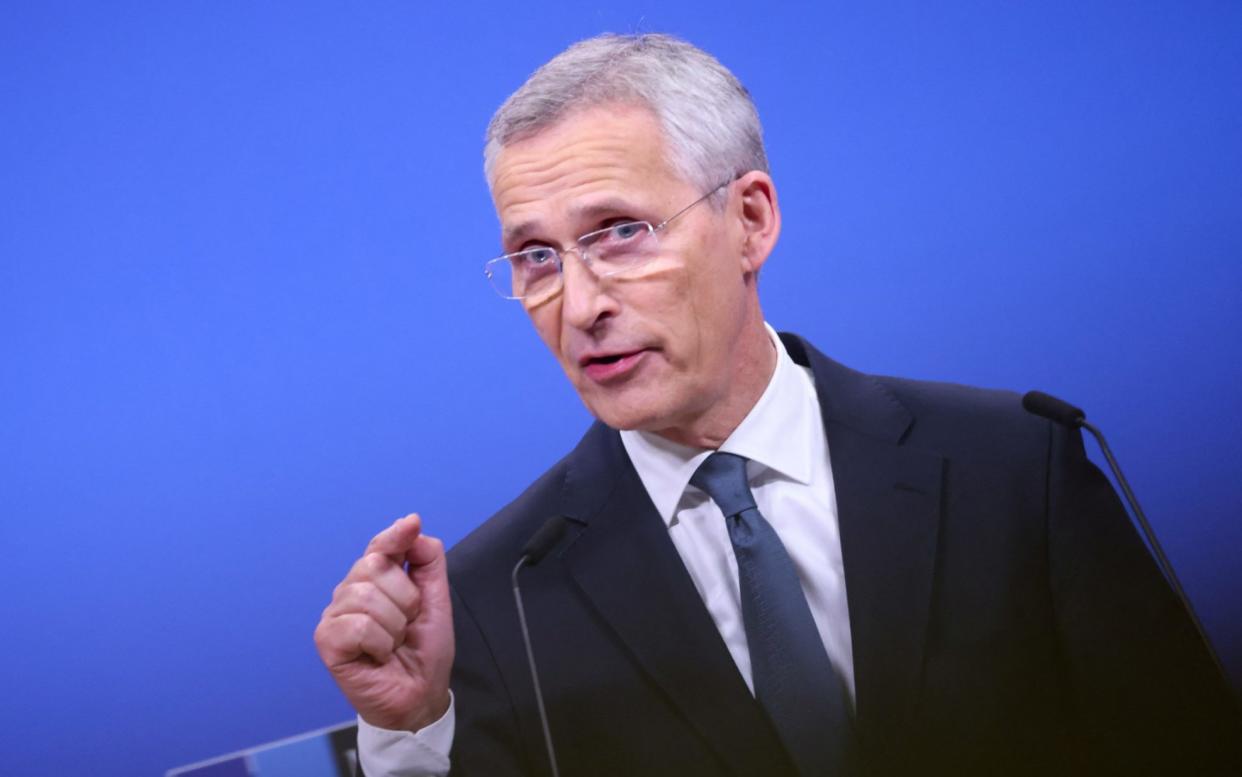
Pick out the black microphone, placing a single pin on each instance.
(1048, 406)
(532, 553)
(1062, 412)
(542, 541)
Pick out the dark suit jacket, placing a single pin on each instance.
(1006, 618)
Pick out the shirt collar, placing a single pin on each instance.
(775, 434)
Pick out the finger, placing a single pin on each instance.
(348, 637)
(424, 551)
(367, 599)
(429, 570)
(396, 540)
(391, 578)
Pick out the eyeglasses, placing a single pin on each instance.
(537, 273)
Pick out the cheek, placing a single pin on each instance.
(714, 305)
(547, 322)
(671, 310)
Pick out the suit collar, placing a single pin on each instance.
(777, 434)
(851, 398)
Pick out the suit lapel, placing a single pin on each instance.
(625, 563)
(888, 503)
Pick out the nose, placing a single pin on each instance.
(584, 300)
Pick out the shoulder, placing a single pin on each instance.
(492, 549)
(953, 410)
(980, 427)
(983, 430)
(499, 539)
(921, 413)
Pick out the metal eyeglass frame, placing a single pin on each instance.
(582, 252)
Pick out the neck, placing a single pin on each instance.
(756, 360)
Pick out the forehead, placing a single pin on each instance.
(592, 160)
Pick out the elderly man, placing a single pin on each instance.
(771, 564)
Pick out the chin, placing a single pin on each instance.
(626, 415)
(619, 420)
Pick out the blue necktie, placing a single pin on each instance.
(795, 682)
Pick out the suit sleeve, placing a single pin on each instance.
(1143, 691)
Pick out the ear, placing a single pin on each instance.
(760, 218)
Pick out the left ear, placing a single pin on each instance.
(760, 218)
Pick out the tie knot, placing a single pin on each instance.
(723, 477)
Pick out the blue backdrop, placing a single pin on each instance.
(244, 323)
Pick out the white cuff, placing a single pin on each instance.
(424, 753)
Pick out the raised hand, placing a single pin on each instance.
(387, 635)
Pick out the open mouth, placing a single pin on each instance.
(610, 366)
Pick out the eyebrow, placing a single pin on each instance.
(524, 229)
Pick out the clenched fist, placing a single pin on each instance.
(387, 635)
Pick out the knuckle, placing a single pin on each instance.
(368, 598)
(374, 564)
(328, 634)
(356, 631)
(343, 593)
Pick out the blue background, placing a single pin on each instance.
(244, 324)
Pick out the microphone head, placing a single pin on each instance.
(1058, 410)
(542, 541)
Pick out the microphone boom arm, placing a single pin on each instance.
(1061, 412)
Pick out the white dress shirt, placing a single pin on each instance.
(790, 475)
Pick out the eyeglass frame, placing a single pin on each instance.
(559, 253)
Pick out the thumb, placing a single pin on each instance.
(428, 565)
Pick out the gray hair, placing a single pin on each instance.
(710, 123)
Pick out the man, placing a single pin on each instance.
(771, 564)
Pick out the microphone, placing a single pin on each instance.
(1048, 406)
(542, 541)
(1062, 412)
(532, 553)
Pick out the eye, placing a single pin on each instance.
(535, 257)
(626, 230)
